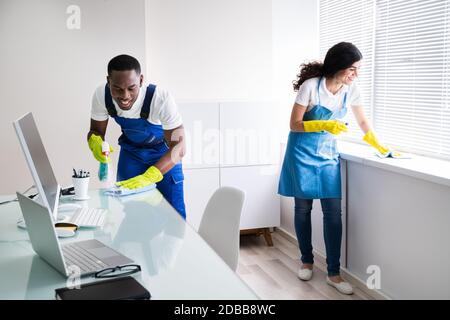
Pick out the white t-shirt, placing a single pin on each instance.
(163, 109)
(307, 95)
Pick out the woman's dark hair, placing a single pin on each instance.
(339, 57)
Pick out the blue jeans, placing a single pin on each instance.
(332, 231)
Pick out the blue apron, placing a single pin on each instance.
(311, 168)
(142, 144)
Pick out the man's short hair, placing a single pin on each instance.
(124, 62)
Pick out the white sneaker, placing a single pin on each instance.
(343, 287)
(305, 274)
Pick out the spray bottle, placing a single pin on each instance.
(104, 170)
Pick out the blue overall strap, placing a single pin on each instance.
(345, 100)
(318, 90)
(109, 102)
(145, 111)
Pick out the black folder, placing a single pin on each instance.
(121, 288)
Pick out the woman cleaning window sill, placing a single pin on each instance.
(421, 167)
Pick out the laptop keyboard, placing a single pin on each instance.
(76, 255)
(88, 217)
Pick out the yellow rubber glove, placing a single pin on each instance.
(371, 139)
(95, 144)
(152, 175)
(332, 126)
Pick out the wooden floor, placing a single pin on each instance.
(271, 272)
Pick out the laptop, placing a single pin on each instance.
(86, 257)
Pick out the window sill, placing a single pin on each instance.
(433, 170)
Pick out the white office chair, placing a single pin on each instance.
(220, 223)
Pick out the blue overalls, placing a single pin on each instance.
(311, 168)
(142, 144)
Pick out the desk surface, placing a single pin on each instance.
(176, 262)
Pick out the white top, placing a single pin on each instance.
(307, 95)
(163, 109)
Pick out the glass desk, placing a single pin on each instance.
(176, 262)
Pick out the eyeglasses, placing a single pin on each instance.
(118, 271)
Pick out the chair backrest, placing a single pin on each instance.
(220, 223)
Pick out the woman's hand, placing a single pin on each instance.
(372, 139)
(332, 126)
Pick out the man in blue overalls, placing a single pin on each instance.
(152, 140)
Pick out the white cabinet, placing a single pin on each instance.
(249, 134)
(199, 186)
(201, 124)
(231, 144)
(260, 184)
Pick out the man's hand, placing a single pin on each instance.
(95, 144)
(152, 175)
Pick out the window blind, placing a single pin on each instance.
(351, 21)
(412, 75)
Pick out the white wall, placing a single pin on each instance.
(295, 40)
(211, 50)
(400, 224)
(53, 71)
(218, 50)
